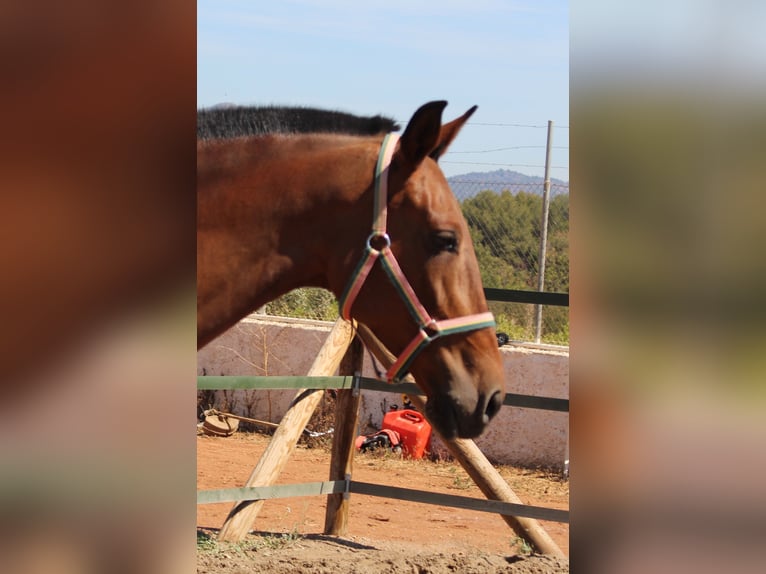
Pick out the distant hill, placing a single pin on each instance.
(467, 185)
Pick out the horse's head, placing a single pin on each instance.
(458, 367)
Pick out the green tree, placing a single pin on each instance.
(506, 230)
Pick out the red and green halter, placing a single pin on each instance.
(429, 329)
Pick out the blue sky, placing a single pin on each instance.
(715, 47)
(509, 58)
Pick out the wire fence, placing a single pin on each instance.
(504, 211)
(506, 223)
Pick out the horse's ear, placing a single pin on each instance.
(421, 136)
(448, 133)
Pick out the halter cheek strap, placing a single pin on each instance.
(429, 329)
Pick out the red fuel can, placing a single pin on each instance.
(413, 429)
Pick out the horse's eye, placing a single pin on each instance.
(445, 241)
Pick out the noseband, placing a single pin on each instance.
(379, 248)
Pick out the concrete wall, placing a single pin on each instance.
(261, 345)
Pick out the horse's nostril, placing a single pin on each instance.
(494, 404)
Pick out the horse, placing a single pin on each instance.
(372, 219)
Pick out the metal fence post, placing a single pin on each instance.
(544, 231)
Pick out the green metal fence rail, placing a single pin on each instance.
(213, 383)
(534, 297)
(370, 489)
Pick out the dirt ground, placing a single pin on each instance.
(384, 535)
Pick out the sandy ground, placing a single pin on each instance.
(384, 535)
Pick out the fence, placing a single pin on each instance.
(348, 486)
(503, 500)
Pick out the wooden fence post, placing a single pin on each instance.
(344, 437)
(282, 444)
(476, 465)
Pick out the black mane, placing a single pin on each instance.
(236, 121)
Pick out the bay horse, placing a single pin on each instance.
(372, 219)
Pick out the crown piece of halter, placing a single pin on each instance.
(429, 329)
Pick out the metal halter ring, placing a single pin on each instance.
(431, 329)
(375, 235)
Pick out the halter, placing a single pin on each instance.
(429, 329)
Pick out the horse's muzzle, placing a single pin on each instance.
(454, 418)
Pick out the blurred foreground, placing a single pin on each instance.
(97, 344)
(667, 332)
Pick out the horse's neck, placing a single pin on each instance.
(266, 227)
